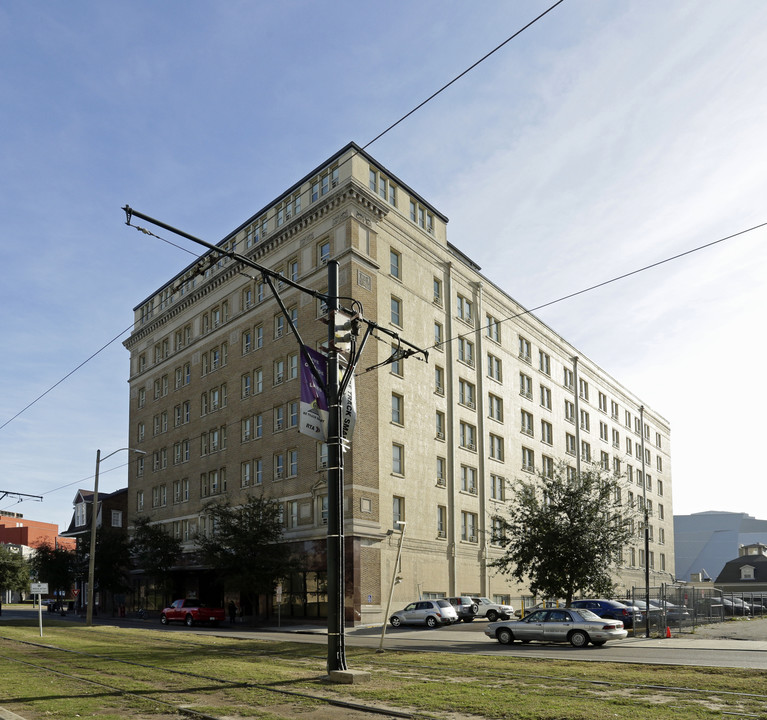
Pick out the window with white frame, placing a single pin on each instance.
(468, 526)
(469, 479)
(528, 460)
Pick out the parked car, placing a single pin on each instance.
(611, 610)
(492, 611)
(190, 612)
(577, 626)
(543, 605)
(431, 613)
(465, 607)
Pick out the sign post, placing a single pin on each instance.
(39, 589)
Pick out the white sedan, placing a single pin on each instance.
(577, 626)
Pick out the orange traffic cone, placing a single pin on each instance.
(668, 631)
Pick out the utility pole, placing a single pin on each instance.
(646, 529)
(335, 548)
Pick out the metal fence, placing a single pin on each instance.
(680, 608)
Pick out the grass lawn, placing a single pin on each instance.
(130, 675)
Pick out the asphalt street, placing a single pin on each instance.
(740, 643)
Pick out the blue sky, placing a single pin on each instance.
(606, 137)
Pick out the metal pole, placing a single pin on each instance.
(577, 420)
(335, 549)
(92, 556)
(393, 583)
(646, 528)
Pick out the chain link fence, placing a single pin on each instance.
(680, 608)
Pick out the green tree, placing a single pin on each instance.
(14, 571)
(155, 552)
(55, 565)
(246, 546)
(563, 533)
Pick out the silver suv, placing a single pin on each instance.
(465, 607)
(492, 611)
(425, 612)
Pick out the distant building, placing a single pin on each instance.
(747, 573)
(16, 530)
(704, 542)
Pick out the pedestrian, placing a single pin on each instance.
(232, 612)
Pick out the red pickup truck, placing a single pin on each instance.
(191, 612)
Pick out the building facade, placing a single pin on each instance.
(214, 398)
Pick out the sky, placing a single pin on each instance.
(603, 138)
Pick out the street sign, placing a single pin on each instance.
(38, 588)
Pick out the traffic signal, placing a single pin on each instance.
(345, 328)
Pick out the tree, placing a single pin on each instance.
(55, 565)
(563, 533)
(155, 552)
(14, 571)
(246, 546)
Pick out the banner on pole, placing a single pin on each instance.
(314, 402)
(348, 409)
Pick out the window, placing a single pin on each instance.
(397, 416)
(469, 527)
(466, 351)
(469, 479)
(493, 328)
(466, 393)
(603, 431)
(568, 379)
(628, 446)
(438, 334)
(570, 444)
(616, 438)
(395, 264)
(396, 311)
(527, 423)
(545, 397)
(628, 419)
(438, 292)
(544, 362)
(441, 470)
(525, 386)
(279, 466)
(659, 487)
(604, 460)
(497, 487)
(585, 451)
(528, 460)
(613, 409)
(396, 365)
(398, 459)
(525, 352)
(494, 368)
(602, 402)
(547, 466)
(440, 425)
(323, 252)
(496, 448)
(464, 309)
(585, 422)
(292, 463)
(498, 535)
(421, 217)
(441, 521)
(398, 511)
(439, 380)
(384, 187)
(495, 407)
(468, 435)
(547, 435)
(583, 389)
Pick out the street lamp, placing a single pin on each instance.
(394, 581)
(94, 514)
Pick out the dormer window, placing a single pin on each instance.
(80, 514)
(747, 572)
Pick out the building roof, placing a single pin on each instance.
(731, 571)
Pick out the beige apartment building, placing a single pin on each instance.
(214, 400)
